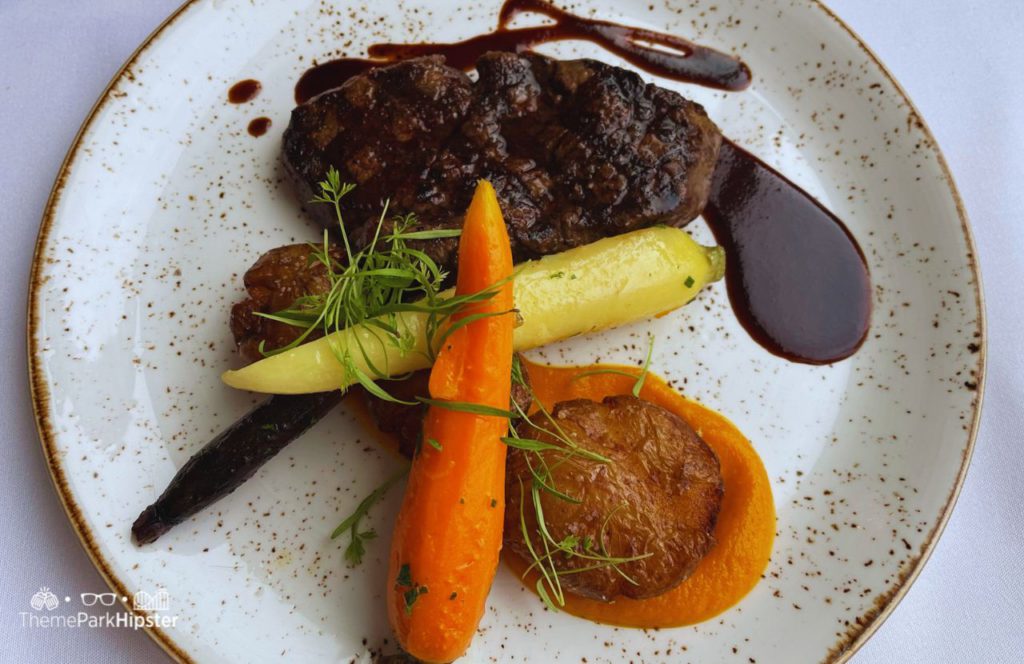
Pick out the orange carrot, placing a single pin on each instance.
(447, 539)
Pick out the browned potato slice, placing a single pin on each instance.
(662, 490)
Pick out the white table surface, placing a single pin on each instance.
(961, 62)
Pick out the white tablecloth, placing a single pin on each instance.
(960, 61)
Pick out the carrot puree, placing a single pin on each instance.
(746, 523)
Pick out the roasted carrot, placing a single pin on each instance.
(447, 539)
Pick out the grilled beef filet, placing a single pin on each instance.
(576, 149)
(274, 282)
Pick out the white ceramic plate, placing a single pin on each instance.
(165, 200)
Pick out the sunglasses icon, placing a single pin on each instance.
(106, 599)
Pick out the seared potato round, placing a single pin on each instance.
(659, 495)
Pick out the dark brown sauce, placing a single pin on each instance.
(244, 91)
(259, 126)
(796, 278)
(684, 61)
(329, 75)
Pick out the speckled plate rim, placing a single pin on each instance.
(867, 624)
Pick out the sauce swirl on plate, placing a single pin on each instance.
(677, 58)
(796, 278)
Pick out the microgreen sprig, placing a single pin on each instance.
(356, 548)
(639, 377)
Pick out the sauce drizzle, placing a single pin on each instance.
(244, 91)
(683, 61)
(259, 126)
(796, 278)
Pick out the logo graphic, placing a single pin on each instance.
(158, 601)
(105, 599)
(151, 611)
(44, 599)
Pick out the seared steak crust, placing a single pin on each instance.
(381, 130)
(577, 150)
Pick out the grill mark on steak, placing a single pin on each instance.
(577, 149)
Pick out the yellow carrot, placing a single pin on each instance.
(610, 282)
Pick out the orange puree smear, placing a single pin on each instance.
(746, 524)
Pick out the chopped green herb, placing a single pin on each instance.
(569, 542)
(433, 443)
(269, 427)
(639, 384)
(453, 595)
(404, 578)
(556, 275)
(494, 502)
(411, 596)
(689, 282)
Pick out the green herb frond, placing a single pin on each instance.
(639, 377)
(356, 547)
(369, 288)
